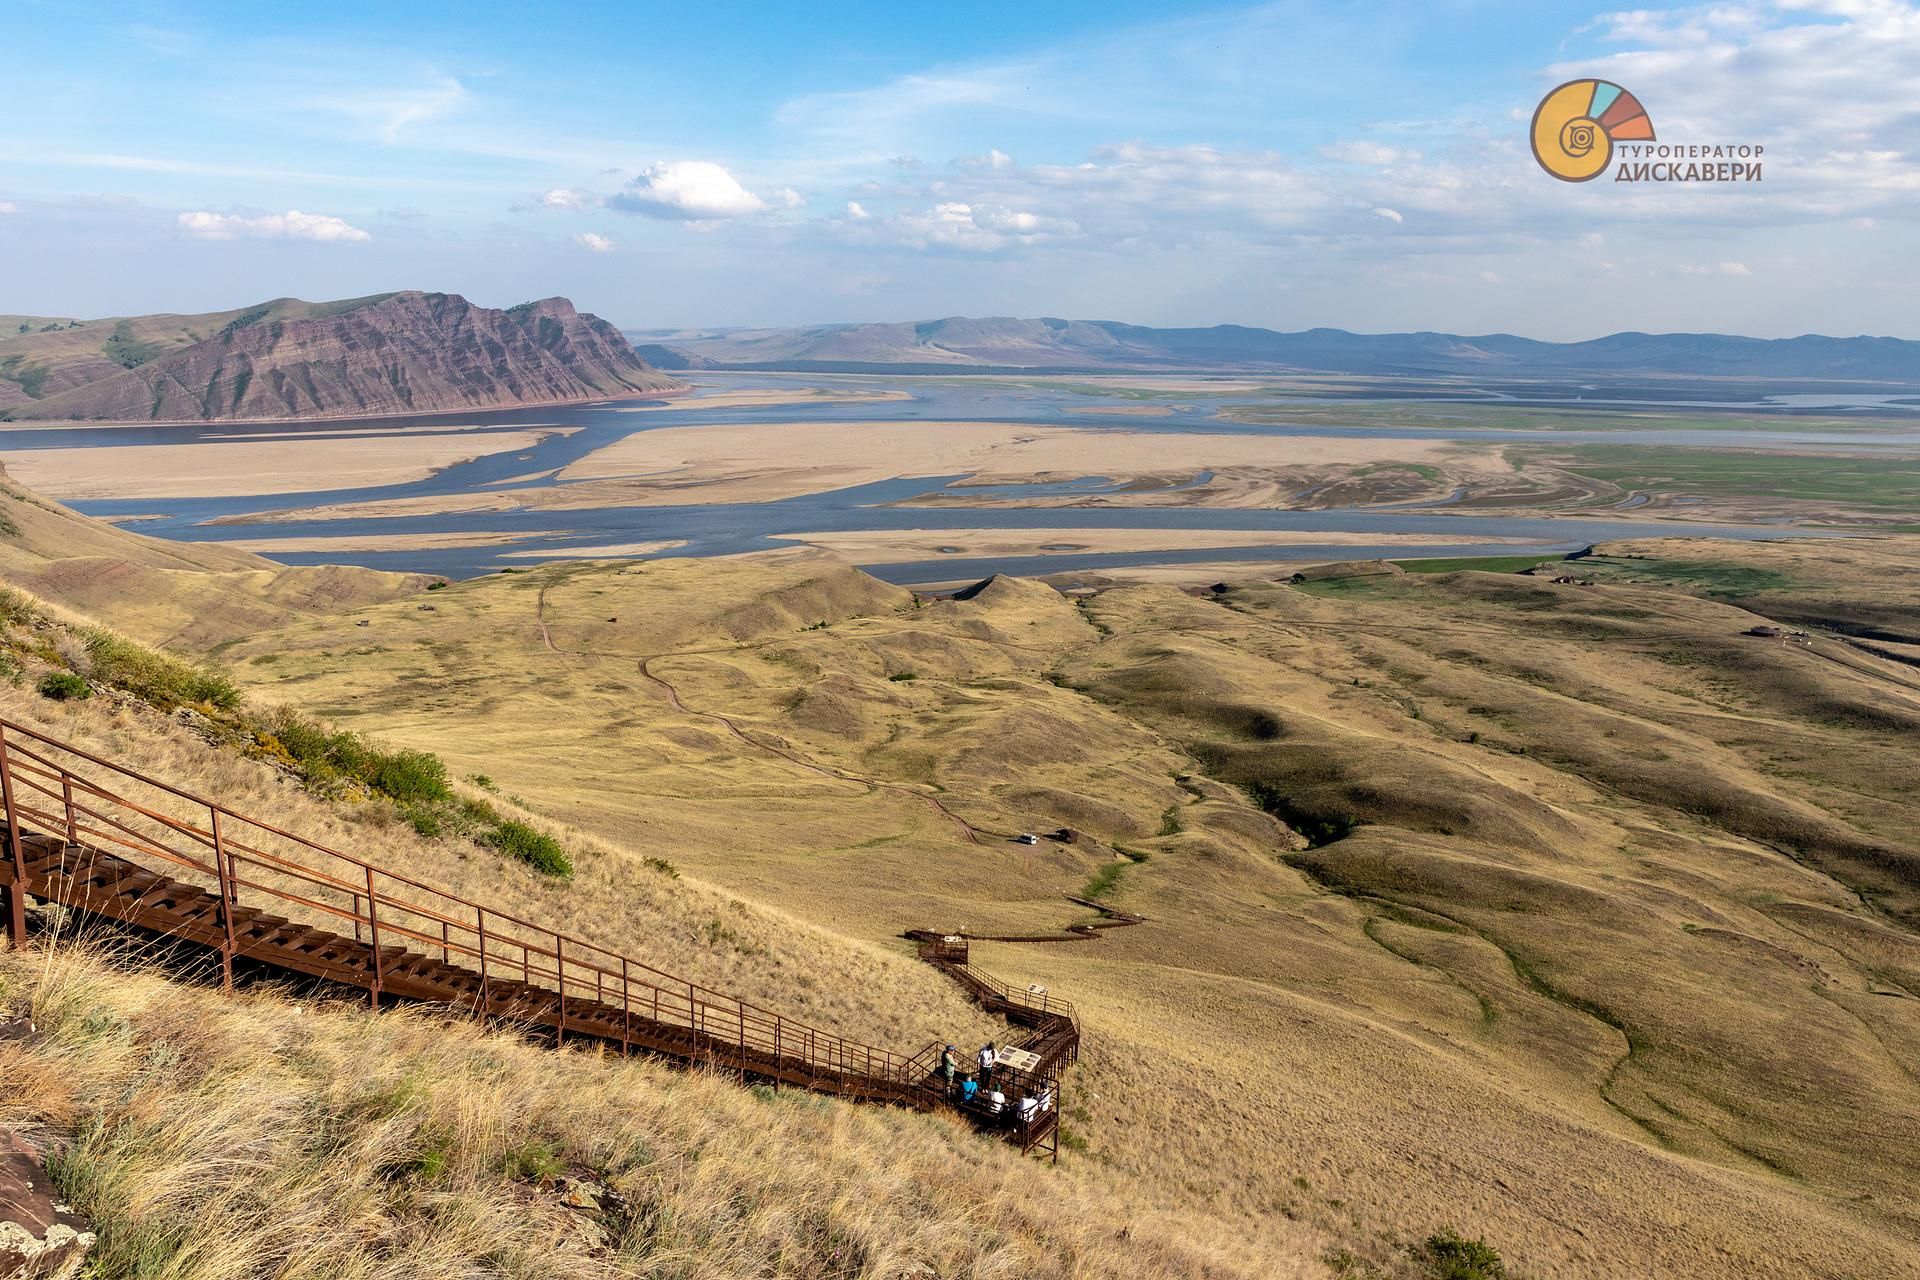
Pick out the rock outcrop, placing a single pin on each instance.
(391, 354)
(40, 1238)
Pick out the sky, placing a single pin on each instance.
(1365, 166)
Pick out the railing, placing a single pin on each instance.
(79, 797)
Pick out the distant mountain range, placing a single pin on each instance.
(392, 353)
(959, 344)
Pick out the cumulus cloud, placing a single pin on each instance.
(953, 224)
(692, 191)
(291, 225)
(594, 242)
(1391, 215)
(855, 210)
(8, 206)
(567, 200)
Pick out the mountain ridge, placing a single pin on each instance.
(1050, 343)
(393, 353)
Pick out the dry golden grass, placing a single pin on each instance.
(1593, 978)
(227, 1138)
(191, 595)
(871, 992)
(1619, 968)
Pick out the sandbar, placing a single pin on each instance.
(243, 468)
(384, 541)
(762, 462)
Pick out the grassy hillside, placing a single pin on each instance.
(211, 1136)
(226, 1136)
(1474, 899)
(191, 594)
(1571, 916)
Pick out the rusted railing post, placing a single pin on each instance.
(373, 932)
(560, 980)
(480, 920)
(626, 1009)
(228, 895)
(446, 949)
(17, 891)
(73, 815)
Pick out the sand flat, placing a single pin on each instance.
(240, 468)
(892, 546)
(765, 461)
(351, 542)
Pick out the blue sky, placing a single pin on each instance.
(1286, 164)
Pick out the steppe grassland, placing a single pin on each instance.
(617, 898)
(1493, 951)
(221, 1137)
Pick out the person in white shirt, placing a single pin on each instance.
(1029, 1108)
(996, 1103)
(987, 1057)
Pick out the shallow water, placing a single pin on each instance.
(720, 529)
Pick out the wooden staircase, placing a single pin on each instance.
(111, 843)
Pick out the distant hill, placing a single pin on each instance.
(959, 343)
(406, 352)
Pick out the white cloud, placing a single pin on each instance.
(1391, 215)
(1735, 269)
(1360, 151)
(690, 190)
(291, 225)
(594, 241)
(8, 206)
(568, 200)
(855, 210)
(993, 159)
(954, 224)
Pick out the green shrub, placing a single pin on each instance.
(1453, 1257)
(427, 821)
(410, 777)
(64, 686)
(904, 675)
(664, 867)
(535, 848)
(17, 608)
(533, 1161)
(154, 676)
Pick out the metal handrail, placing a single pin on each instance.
(569, 967)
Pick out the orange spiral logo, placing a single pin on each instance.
(1575, 127)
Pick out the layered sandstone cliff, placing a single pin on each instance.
(394, 354)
